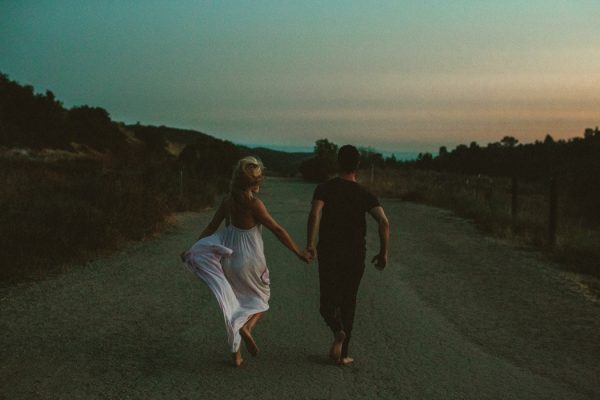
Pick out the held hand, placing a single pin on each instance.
(305, 256)
(380, 261)
(311, 251)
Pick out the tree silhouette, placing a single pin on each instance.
(323, 164)
(509, 141)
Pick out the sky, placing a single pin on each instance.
(393, 75)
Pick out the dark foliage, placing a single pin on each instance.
(574, 162)
(93, 127)
(39, 121)
(66, 210)
(204, 164)
(167, 134)
(205, 170)
(323, 164)
(74, 182)
(28, 119)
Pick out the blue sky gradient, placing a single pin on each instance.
(399, 75)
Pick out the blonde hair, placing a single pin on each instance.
(247, 173)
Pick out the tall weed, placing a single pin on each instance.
(488, 202)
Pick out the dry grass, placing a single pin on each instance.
(487, 201)
(68, 209)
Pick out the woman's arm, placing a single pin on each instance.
(263, 217)
(214, 224)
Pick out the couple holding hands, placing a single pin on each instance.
(232, 263)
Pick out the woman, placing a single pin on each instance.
(232, 262)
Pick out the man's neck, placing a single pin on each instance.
(348, 176)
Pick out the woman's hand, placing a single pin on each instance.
(305, 256)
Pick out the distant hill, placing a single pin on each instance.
(279, 163)
(174, 140)
(174, 135)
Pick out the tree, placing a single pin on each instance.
(391, 162)
(92, 126)
(325, 150)
(323, 164)
(509, 141)
(155, 142)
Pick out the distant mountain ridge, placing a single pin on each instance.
(276, 162)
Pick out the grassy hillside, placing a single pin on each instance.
(74, 182)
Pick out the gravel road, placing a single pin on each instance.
(456, 315)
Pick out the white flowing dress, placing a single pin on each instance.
(232, 264)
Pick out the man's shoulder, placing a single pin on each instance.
(364, 190)
(329, 182)
(371, 200)
(326, 185)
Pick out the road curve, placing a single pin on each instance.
(456, 315)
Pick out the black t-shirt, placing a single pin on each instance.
(343, 224)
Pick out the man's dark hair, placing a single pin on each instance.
(348, 158)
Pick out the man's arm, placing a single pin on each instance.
(314, 220)
(380, 259)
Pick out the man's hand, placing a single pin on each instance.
(380, 261)
(311, 251)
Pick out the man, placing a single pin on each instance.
(338, 215)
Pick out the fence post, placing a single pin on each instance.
(181, 183)
(514, 202)
(552, 223)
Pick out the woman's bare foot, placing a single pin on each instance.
(237, 359)
(249, 340)
(335, 352)
(346, 361)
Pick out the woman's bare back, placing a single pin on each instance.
(240, 215)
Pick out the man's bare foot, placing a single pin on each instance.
(335, 352)
(249, 341)
(237, 359)
(346, 361)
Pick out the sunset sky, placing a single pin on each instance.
(395, 75)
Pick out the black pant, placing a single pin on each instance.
(340, 273)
